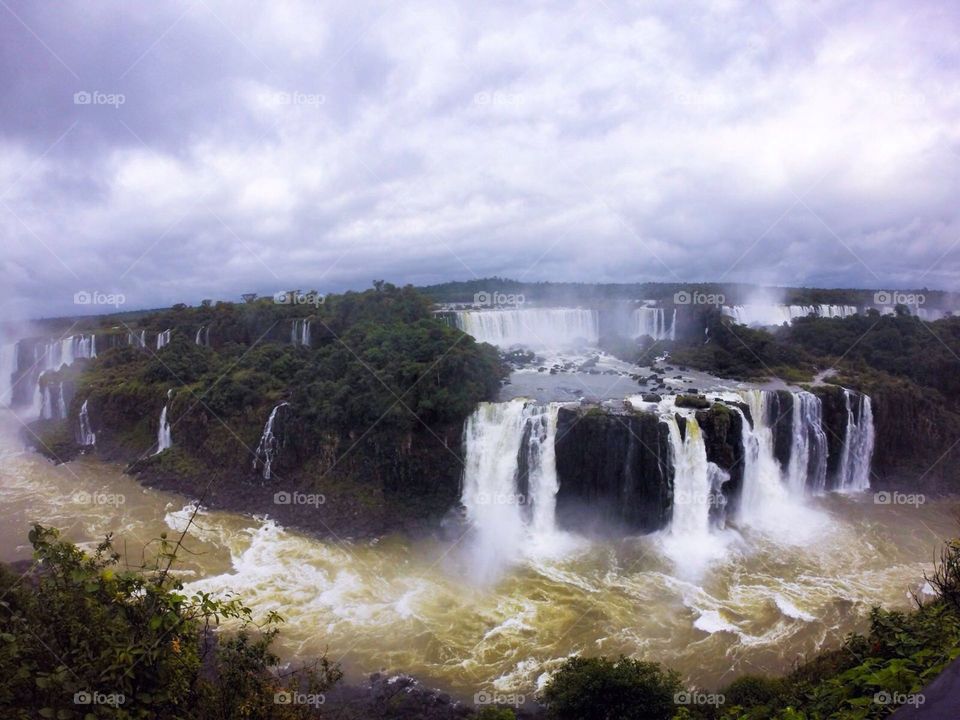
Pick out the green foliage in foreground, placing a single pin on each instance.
(81, 637)
(869, 677)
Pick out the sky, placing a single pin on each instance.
(167, 152)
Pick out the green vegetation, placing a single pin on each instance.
(83, 637)
(380, 381)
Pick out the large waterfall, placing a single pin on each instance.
(765, 315)
(807, 468)
(163, 338)
(510, 478)
(530, 327)
(692, 493)
(651, 321)
(854, 472)
(767, 468)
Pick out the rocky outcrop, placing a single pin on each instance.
(723, 436)
(614, 471)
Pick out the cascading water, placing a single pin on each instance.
(853, 474)
(767, 315)
(807, 469)
(8, 369)
(137, 339)
(85, 434)
(203, 335)
(300, 332)
(531, 327)
(692, 491)
(268, 446)
(54, 407)
(502, 476)
(163, 338)
(164, 436)
(763, 492)
(651, 321)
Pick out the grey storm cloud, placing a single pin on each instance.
(180, 150)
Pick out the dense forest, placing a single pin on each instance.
(373, 393)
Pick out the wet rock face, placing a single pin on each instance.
(614, 471)
(780, 421)
(723, 437)
(834, 407)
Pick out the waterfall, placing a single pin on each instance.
(763, 487)
(8, 369)
(163, 338)
(53, 405)
(853, 474)
(138, 340)
(534, 327)
(807, 469)
(85, 434)
(269, 445)
(510, 478)
(768, 315)
(203, 335)
(300, 332)
(651, 321)
(692, 490)
(164, 437)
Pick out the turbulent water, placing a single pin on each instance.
(763, 314)
(790, 573)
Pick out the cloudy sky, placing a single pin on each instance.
(173, 151)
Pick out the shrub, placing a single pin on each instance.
(602, 689)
